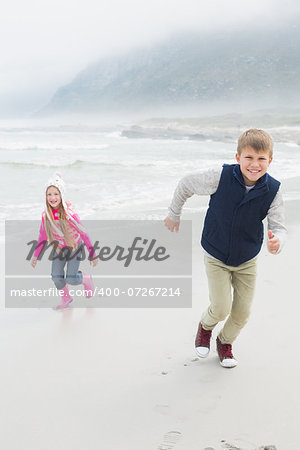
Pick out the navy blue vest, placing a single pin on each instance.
(233, 230)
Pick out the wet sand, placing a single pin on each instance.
(129, 378)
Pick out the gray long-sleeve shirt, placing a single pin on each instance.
(206, 183)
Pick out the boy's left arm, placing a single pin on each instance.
(277, 232)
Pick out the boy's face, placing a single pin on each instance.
(254, 164)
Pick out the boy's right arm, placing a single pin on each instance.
(171, 224)
(201, 183)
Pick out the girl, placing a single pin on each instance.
(61, 225)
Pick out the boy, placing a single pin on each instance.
(242, 195)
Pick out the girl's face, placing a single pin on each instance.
(53, 197)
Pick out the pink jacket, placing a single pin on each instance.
(77, 234)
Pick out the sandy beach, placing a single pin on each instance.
(129, 378)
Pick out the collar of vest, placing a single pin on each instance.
(261, 182)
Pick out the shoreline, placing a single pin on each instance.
(227, 128)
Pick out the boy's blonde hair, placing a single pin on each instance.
(257, 139)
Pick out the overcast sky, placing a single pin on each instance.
(45, 43)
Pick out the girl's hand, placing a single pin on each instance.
(33, 262)
(94, 262)
(171, 224)
(273, 243)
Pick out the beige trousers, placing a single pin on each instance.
(221, 280)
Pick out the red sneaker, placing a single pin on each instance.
(225, 354)
(202, 342)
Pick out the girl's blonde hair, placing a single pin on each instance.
(63, 223)
(257, 139)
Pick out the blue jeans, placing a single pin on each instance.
(72, 276)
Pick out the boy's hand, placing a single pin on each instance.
(171, 224)
(33, 262)
(273, 243)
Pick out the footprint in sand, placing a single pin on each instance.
(169, 441)
(228, 446)
(163, 409)
(267, 447)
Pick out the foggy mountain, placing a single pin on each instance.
(257, 67)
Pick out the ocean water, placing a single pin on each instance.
(107, 174)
